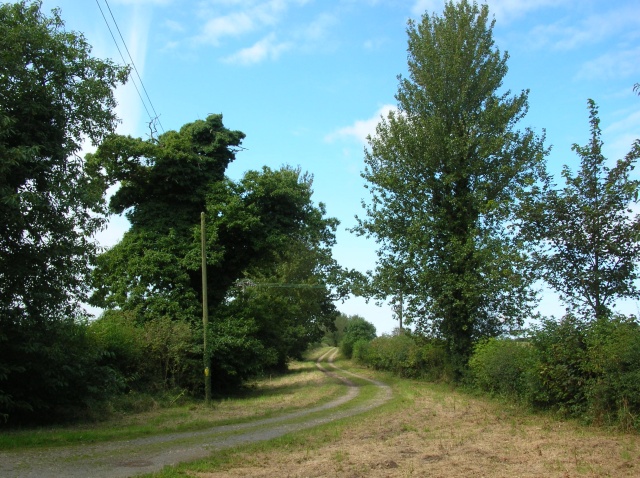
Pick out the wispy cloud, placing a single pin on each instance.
(266, 48)
(143, 2)
(229, 25)
(504, 10)
(591, 30)
(611, 65)
(361, 129)
(251, 17)
(136, 34)
(243, 21)
(620, 135)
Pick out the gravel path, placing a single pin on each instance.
(145, 455)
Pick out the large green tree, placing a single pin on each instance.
(53, 96)
(163, 187)
(588, 231)
(291, 294)
(444, 172)
(264, 225)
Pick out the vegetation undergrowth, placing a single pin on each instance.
(302, 386)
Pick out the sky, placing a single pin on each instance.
(307, 81)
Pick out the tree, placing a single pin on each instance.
(291, 297)
(357, 329)
(53, 96)
(445, 172)
(588, 230)
(264, 225)
(154, 270)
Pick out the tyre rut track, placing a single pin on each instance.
(148, 454)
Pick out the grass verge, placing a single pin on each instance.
(430, 430)
(303, 386)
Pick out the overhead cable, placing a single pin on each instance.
(155, 117)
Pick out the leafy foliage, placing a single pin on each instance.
(502, 366)
(357, 329)
(445, 172)
(589, 231)
(406, 355)
(53, 96)
(264, 227)
(154, 269)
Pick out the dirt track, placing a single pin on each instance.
(144, 455)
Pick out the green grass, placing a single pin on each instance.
(270, 396)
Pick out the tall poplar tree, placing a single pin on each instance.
(445, 171)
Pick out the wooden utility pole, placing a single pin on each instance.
(400, 310)
(205, 313)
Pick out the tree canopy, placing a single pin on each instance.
(53, 96)
(588, 231)
(264, 227)
(445, 171)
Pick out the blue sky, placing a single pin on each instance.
(307, 80)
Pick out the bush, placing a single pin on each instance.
(117, 333)
(560, 371)
(407, 356)
(361, 351)
(613, 389)
(357, 329)
(502, 367)
(57, 371)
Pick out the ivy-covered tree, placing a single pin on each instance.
(259, 225)
(589, 232)
(164, 183)
(445, 171)
(53, 95)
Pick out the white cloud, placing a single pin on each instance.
(143, 2)
(251, 17)
(228, 25)
(590, 30)
(174, 26)
(620, 135)
(319, 28)
(267, 48)
(617, 64)
(136, 34)
(361, 129)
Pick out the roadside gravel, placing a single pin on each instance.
(132, 457)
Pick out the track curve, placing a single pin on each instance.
(144, 455)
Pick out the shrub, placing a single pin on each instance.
(502, 366)
(361, 351)
(357, 329)
(560, 372)
(58, 371)
(613, 389)
(408, 356)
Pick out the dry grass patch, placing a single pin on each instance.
(432, 431)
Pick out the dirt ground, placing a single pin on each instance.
(449, 435)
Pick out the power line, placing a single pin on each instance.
(155, 117)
